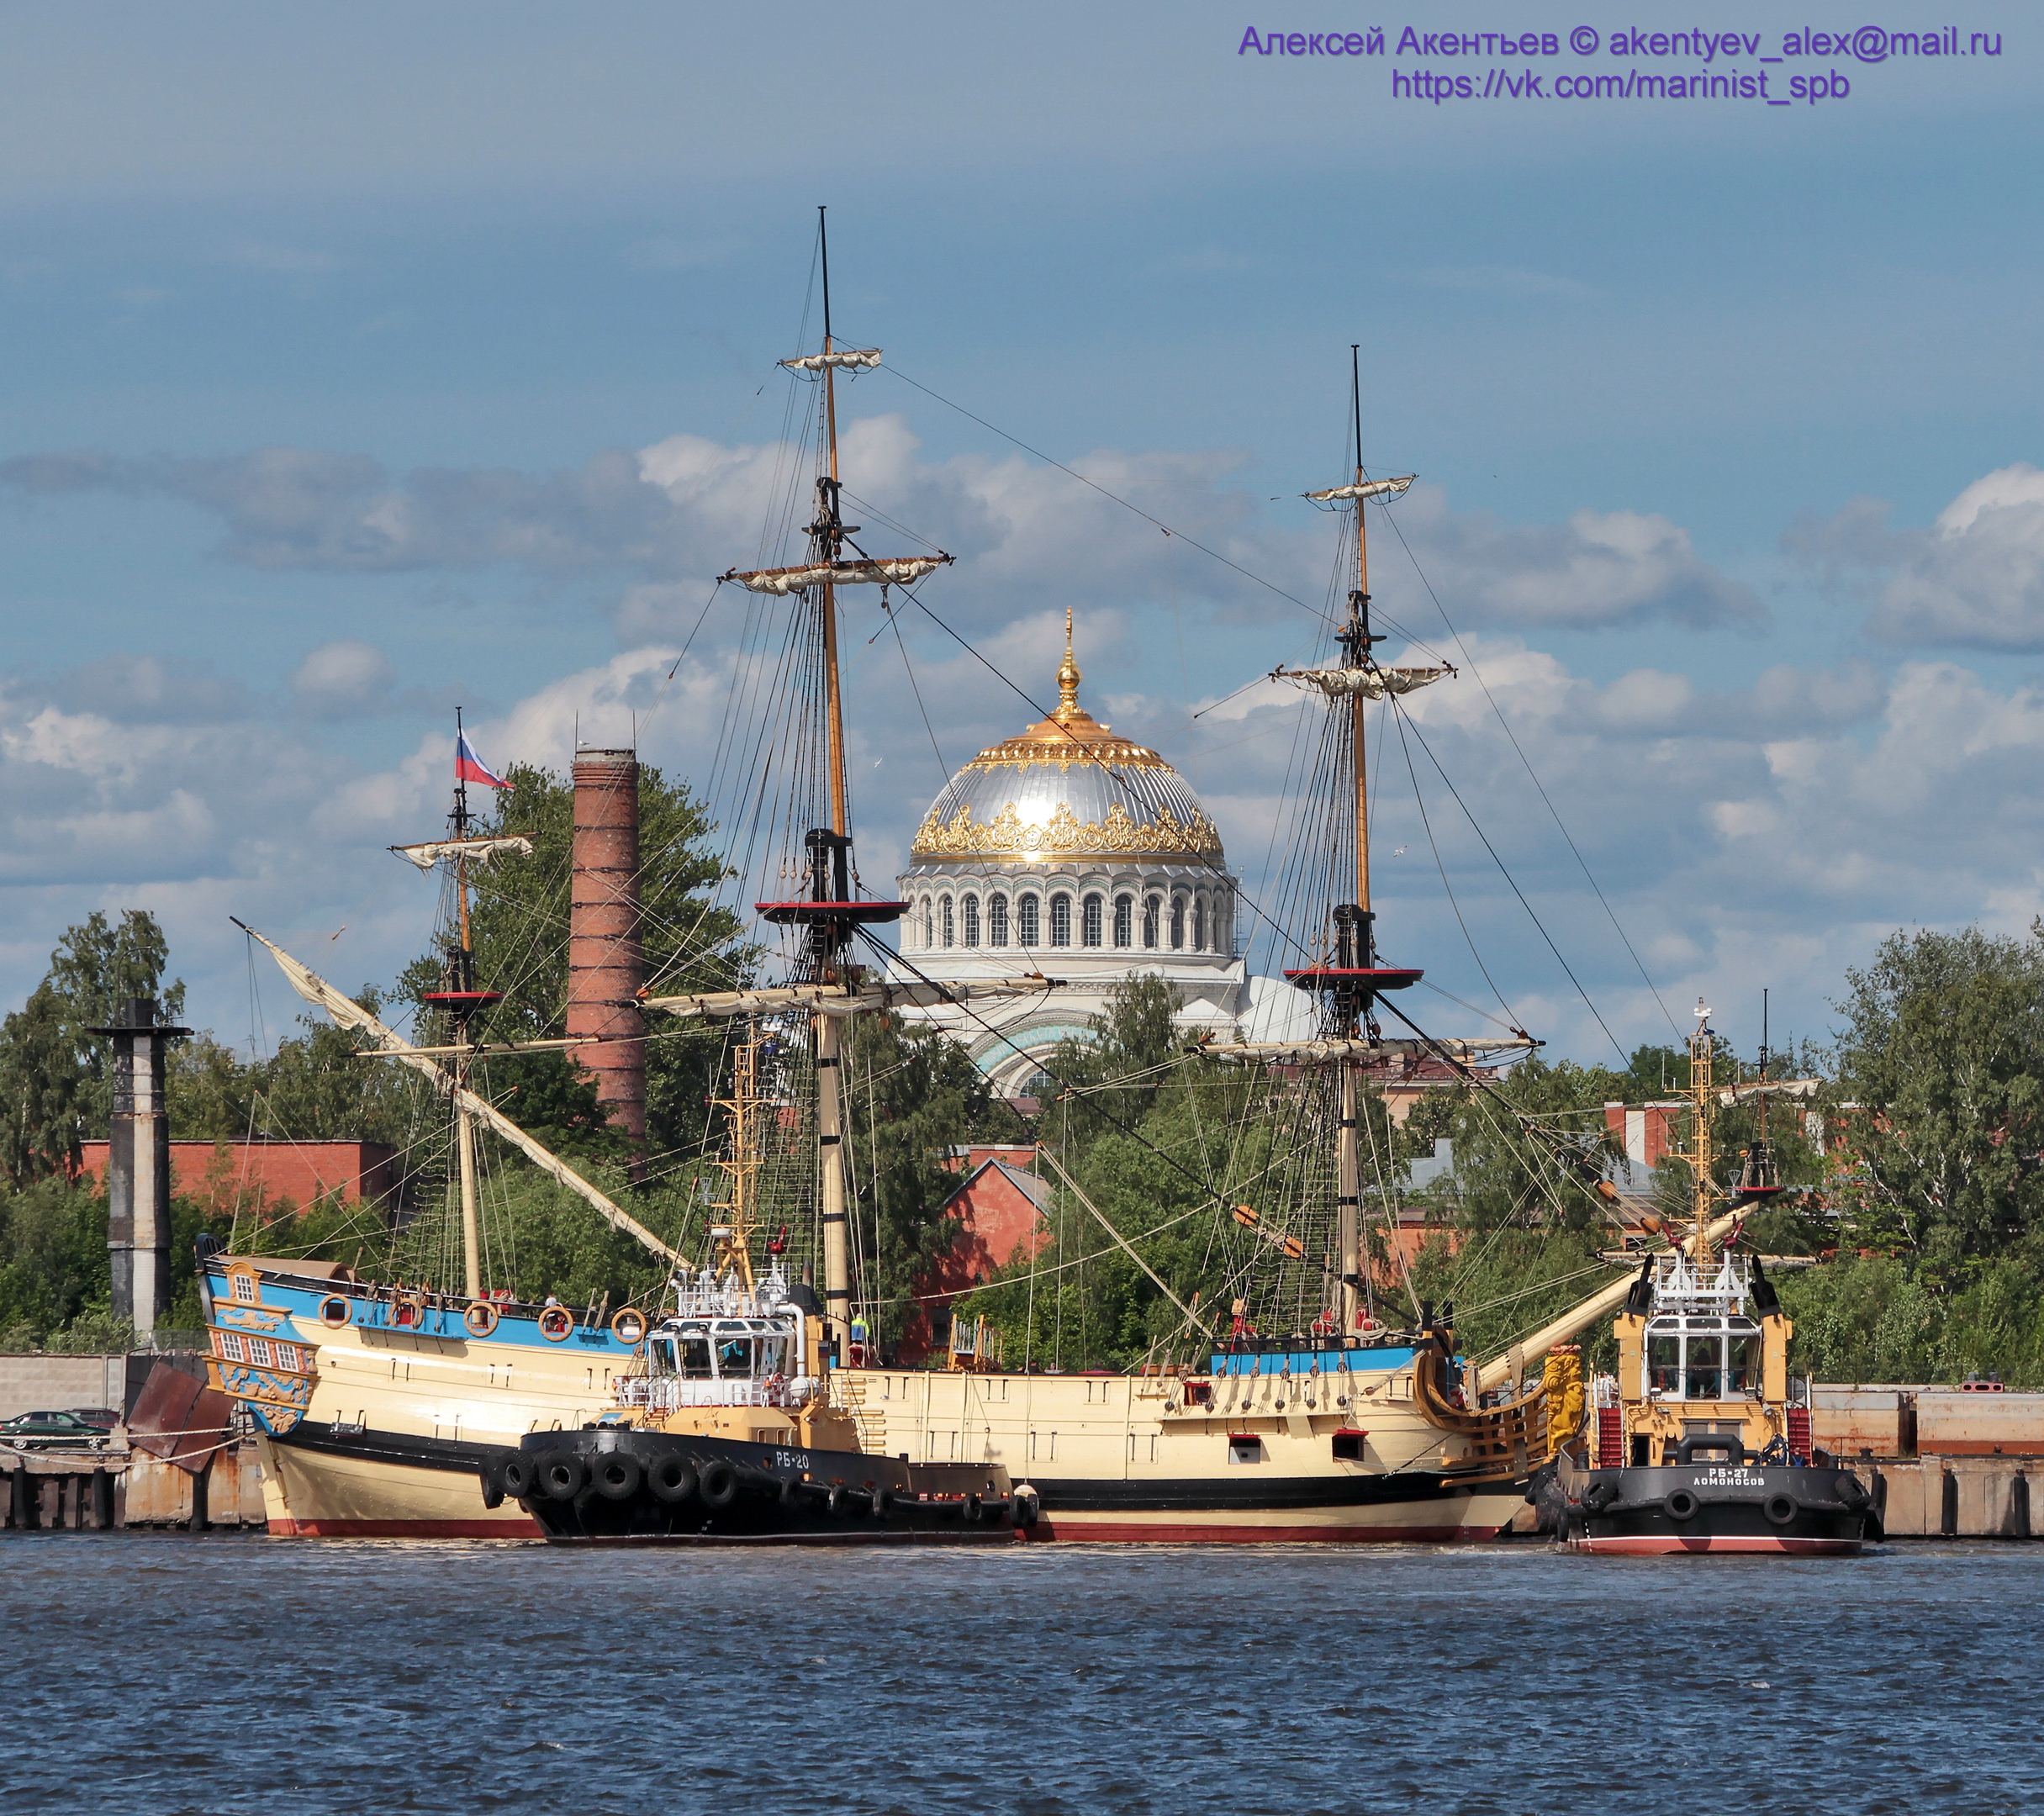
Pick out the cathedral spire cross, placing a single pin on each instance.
(1069, 678)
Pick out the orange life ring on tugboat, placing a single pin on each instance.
(480, 1319)
(629, 1327)
(335, 1311)
(557, 1323)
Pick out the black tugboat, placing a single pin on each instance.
(616, 1486)
(1700, 1445)
(721, 1432)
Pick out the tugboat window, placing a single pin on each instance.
(1664, 1363)
(735, 1357)
(1744, 1371)
(660, 1355)
(695, 1358)
(1704, 1367)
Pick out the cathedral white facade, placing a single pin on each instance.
(1071, 853)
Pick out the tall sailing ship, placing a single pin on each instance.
(388, 1408)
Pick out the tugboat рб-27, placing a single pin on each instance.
(1700, 1443)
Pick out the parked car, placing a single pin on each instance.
(53, 1431)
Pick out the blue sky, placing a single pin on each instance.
(1726, 418)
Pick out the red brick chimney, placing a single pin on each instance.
(605, 964)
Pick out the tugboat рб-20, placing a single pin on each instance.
(1700, 1445)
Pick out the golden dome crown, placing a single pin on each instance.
(1066, 787)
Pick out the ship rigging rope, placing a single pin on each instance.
(1398, 706)
(1426, 822)
(1546, 800)
(1461, 647)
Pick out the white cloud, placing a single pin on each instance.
(1974, 579)
(670, 517)
(1978, 578)
(343, 680)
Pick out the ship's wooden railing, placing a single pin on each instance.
(1507, 1440)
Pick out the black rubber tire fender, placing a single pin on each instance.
(1682, 1505)
(976, 1509)
(717, 1483)
(521, 1474)
(1600, 1495)
(561, 1474)
(883, 1503)
(1781, 1509)
(618, 1476)
(833, 1502)
(491, 1471)
(1851, 1493)
(672, 1479)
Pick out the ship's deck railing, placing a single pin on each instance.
(670, 1393)
(704, 1295)
(1720, 1286)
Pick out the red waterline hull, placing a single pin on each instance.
(404, 1529)
(1657, 1545)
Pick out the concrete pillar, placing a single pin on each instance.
(605, 966)
(138, 1165)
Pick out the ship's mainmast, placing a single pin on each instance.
(829, 912)
(1349, 980)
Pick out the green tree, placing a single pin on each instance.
(913, 1095)
(54, 1081)
(1943, 1050)
(519, 927)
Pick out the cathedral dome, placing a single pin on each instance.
(1066, 787)
(1069, 851)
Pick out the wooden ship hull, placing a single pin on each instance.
(386, 1429)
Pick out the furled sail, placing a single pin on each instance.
(1371, 683)
(835, 1000)
(391, 1045)
(904, 572)
(478, 850)
(1367, 489)
(847, 359)
(1318, 1052)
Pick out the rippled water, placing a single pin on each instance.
(163, 1673)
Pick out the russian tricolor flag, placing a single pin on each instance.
(469, 768)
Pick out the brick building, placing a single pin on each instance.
(249, 1175)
